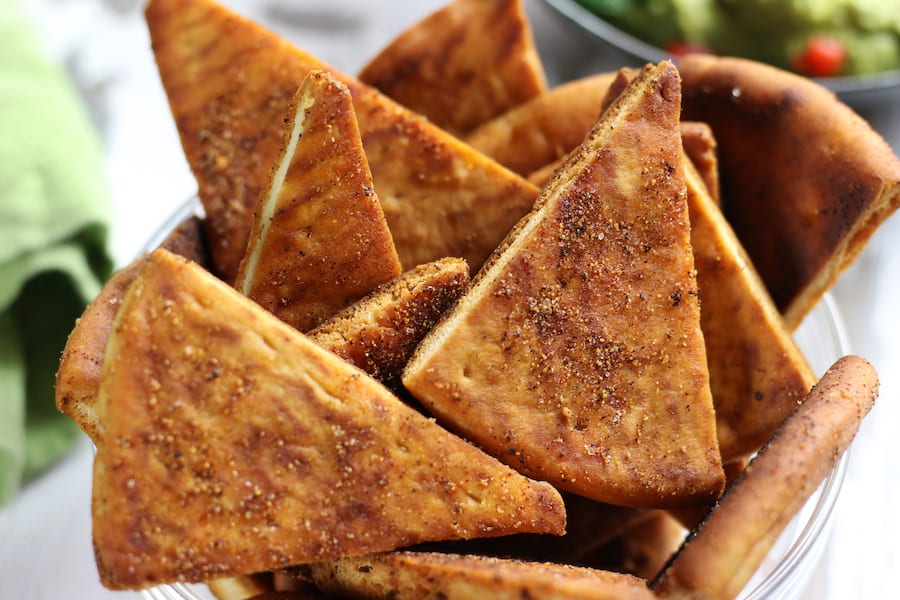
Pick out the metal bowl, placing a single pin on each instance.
(863, 91)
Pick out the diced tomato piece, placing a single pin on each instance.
(822, 56)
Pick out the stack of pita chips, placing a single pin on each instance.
(306, 383)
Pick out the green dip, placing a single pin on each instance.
(772, 31)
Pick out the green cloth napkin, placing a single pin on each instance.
(53, 254)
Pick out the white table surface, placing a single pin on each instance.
(45, 544)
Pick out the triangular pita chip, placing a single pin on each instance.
(415, 575)
(720, 556)
(319, 240)
(805, 180)
(232, 444)
(379, 333)
(545, 128)
(462, 65)
(577, 355)
(81, 363)
(757, 372)
(230, 83)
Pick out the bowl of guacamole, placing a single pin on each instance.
(850, 46)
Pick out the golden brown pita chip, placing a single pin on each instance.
(415, 575)
(78, 376)
(545, 128)
(577, 355)
(805, 180)
(235, 445)
(379, 333)
(319, 240)
(757, 372)
(230, 83)
(719, 557)
(462, 65)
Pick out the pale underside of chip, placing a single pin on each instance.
(462, 65)
(577, 354)
(319, 240)
(232, 444)
(230, 83)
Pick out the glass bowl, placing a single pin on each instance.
(787, 570)
(865, 91)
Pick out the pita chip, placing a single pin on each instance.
(462, 65)
(234, 445)
(319, 240)
(415, 575)
(577, 355)
(81, 363)
(721, 555)
(230, 83)
(803, 216)
(545, 128)
(380, 332)
(757, 372)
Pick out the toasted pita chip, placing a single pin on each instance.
(757, 372)
(545, 128)
(379, 333)
(78, 376)
(235, 445)
(462, 65)
(415, 575)
(577, 354)
(805, 180)
(319, 240)
(230, 83)
(719, 557)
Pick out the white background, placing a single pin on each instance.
(45, 545)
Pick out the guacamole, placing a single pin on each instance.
(862, 36)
